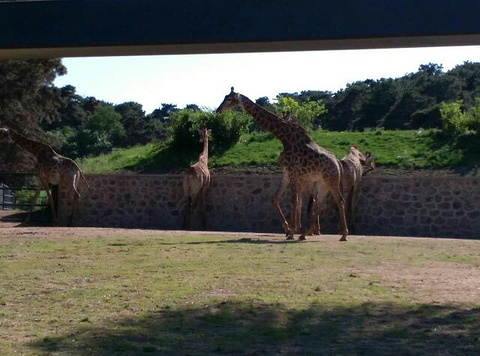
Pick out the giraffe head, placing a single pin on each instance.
(367, 160)
(204, 134)
(231, 101)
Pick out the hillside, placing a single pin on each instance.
(422, 149)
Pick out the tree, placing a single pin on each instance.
(305, 112)
(71, 112)
(27, 93)
(226, 129)
(193, 107)
(28, 97)
(163, 114)
(102, 131)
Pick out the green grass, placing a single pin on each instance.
(117, 292)
(394, 149)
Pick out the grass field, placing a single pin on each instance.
(394, 149)
(86, 291)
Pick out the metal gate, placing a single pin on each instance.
(16, 190)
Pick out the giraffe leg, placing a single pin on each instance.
(296, 205)
(340, 201)
(314, 213)
(316, 216)
(313, 216)
(33, 201)
(44, 184)
(293, 212)
(298, 227)
(276, 204)
(52, 204)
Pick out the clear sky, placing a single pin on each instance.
(205, 79)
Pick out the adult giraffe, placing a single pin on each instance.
(302, 161)
(196, 182)
(353, 164)
(51, 168)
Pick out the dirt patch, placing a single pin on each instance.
(220, 292)
(452, 283)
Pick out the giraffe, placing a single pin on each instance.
(352, 171)
(50, 167)
(196, 182)
(302, 161)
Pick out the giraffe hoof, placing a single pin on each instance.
(343, 238)
(301, 238)
(290, 237)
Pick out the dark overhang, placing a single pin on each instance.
(133, 27)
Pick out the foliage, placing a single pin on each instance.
(304, 112)
(139, 128)
(102, 130)
(79, 126)
(163, 114)
(395, 149)
(458, 122)
(27, 98)
(226, 128)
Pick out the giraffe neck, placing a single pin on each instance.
(204, 155)
(280, 128)
(34, 147)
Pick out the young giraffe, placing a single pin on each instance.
(352, 172)
(302, 161)
(51, 168)
(196, 182)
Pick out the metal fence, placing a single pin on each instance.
(7, 198)
(14, 186)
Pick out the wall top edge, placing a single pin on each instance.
(274, 175)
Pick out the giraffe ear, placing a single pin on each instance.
(209, 132)
(231, 90)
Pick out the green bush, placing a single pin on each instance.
(226, 128)
(458, 122)
(305, 112)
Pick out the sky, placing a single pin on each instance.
(205, 79)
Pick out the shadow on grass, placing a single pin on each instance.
(166, 159)
(38, 218)
(244, 240)
(259, 328)
(247, 240)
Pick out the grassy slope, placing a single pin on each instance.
(127, 293)
(396, 149)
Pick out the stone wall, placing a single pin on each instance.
(388, 205)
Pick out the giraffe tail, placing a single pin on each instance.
(85, 179)
(81, 173)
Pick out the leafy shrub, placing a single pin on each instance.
(226, 128)
(458, 122)
(305, 112)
